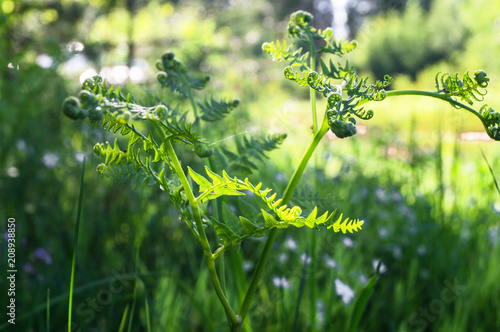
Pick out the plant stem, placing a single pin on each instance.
(215, 209)
(312, 92)
(273, 232)
(312, 97)
(233, 320)
(437, 95)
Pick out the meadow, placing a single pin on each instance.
(420, 174)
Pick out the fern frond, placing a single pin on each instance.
(247, 151)
(336, 71)
(284, 216)
(213, 110)
(117, 113)
(174, 75)
(467, 89)
(491, 120)
(280, 52)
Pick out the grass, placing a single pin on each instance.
(421, 249)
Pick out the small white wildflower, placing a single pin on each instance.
(348, 242)
(50, 159)
(291, 244)
(344, 291)
(421, 250)
(12, 172)
(281, 282)
(329, 261)
(283, 257)
(305, 259)
(383, 268)
(79, 155)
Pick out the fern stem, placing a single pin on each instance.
(444, 97)
(312, 92)
(273, 232)
(233, 320)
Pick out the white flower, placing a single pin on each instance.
(329, 261)
(281, 282)
(344, 290)
(305, 259)
(50, 159)
(383, 268)
(348, 242)
(291, 244)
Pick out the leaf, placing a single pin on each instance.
(248, 226)
(269, 219)
(226, 234)
(361, 301)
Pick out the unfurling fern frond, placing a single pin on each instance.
(174, 75)
(248, 150)
(467, 89)
(280, 52)
(491, 120)
(336, 72)
(213, 110)
(282, 216)
(99, 103)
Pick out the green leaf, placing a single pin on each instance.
(226, 235)
(269, 219)
(248, 226)
(361, 301)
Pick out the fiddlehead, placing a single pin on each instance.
(174, 75)
(339, 83)
(452, 88)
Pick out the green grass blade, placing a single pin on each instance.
(48, 309)
(362, 300)
(134, 298)
(75, 241)
(148, 320)
(124, 319)
(491, 171)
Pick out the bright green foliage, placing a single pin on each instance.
(345, 94)
(468, 90)
(284, 216)
(174, 75)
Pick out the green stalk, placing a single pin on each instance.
(215, 209)
(312, 92)
(273, 232)
(73, 261)
(312, 97)
(233, 320)
(444, 97)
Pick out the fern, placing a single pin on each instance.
(247, 151)
(117, 113)
(467, 89)
(284, 216)
(174, 75)
(213, 110)
(280, 52)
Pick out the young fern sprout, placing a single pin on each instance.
(150, 153)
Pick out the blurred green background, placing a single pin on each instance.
(415, 173)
